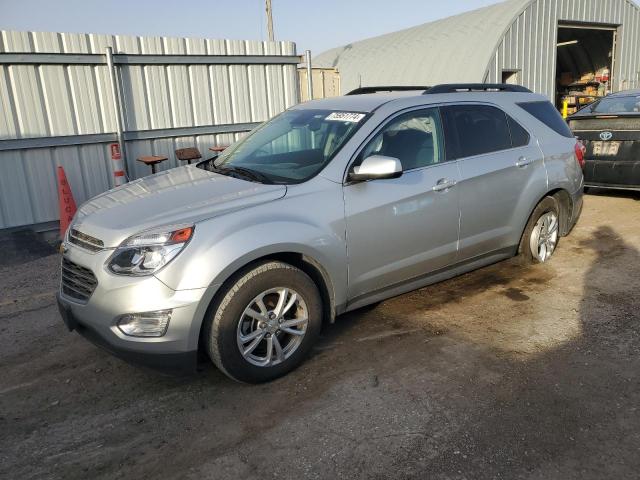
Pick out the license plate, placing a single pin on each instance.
(606, 148)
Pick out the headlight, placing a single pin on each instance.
(148, 252)
(65, 238)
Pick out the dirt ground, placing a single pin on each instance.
(507, 372)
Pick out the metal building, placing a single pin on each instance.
(59, 106)
(569, 50)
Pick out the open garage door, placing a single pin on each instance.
(586, 55)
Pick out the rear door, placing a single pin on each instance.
(501, 169)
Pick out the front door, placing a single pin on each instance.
(403, 228)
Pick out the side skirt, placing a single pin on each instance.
(430, 278)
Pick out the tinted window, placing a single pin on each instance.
(415, 138)
(626, 104)
(519, 136)
(547, 114)
(475, 130)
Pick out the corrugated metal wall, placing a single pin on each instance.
(50, 100)
(326, 83)
(529, 45)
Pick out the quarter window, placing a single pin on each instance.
(475, 130)
(519, 136)
(547, 114)
(415, 138)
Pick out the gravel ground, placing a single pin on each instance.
(507, 372)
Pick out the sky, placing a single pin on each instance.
(317, 25)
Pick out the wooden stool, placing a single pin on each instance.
(188, 154)
(152, 160)
(219, 149)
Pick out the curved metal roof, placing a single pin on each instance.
(426, 53)
(356, 103)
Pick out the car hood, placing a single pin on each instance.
(183, 195)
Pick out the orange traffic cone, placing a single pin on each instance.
(66, 202)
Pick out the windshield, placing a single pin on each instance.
(627, 104)
(290, 148)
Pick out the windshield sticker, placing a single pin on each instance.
(346, 117)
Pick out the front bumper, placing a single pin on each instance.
(178, 363)
(96, 319)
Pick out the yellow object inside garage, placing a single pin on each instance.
(584, 70)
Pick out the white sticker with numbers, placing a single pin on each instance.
(345, 117)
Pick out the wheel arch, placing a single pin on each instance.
(565, 204)
(305, 262)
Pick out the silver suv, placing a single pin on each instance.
(330, 206)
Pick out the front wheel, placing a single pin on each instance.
(542, 233)
(265, 324)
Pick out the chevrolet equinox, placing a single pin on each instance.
(330, 206)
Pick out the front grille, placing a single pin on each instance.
(77, 282)
(85, 241)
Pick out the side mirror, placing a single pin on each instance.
(376, 167)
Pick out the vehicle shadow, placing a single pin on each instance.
(22, 246)
(569, 411)
(512, 278)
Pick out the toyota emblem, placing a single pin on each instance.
(606, 136)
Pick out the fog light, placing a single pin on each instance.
(147, 324)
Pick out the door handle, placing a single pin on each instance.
(523, 162)
(444, 184)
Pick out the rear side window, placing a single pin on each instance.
(547, 114)
(474, 130)
(519, 136)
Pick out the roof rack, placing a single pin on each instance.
(401, 88)
(475, 87)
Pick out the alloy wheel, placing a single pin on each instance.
(272, 326)
(544, 237)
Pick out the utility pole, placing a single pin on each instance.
(269, 20)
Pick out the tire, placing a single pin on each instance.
(247, 314)
(543, 214)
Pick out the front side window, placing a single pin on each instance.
(475, 130)
(291, 148)
(415, 138)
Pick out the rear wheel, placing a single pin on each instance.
(265, 324)
(542, 233)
